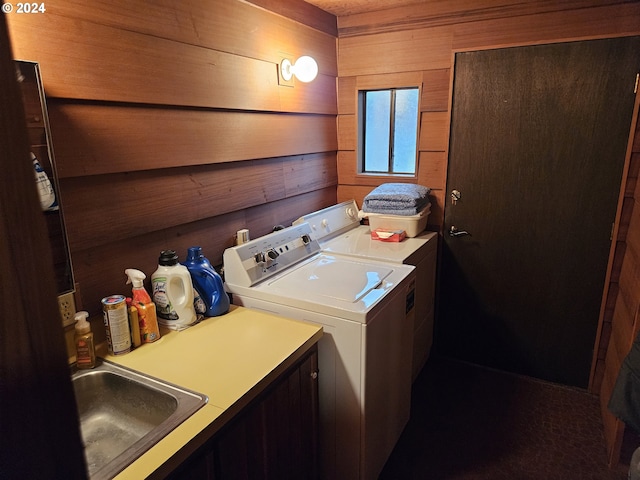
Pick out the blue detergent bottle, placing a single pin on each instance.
(207, 282)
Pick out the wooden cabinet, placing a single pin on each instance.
(274, 437)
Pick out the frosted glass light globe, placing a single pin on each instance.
(305, 69)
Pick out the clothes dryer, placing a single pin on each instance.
(366, 309)
(338, 230)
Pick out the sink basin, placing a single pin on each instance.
(123, 413)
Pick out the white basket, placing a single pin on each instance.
(413, 225)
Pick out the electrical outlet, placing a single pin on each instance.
(67, 306)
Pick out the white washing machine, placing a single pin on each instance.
(366, 311)
(338, 230)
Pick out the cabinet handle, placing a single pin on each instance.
(314, 375)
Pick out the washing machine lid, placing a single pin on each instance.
(340, 286)
(332, 278)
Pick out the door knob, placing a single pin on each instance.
(454, 232)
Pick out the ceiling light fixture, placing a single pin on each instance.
(305, 69)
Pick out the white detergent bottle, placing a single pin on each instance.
(173, 292)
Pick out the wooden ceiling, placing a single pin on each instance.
(341, 8)
(438, 8)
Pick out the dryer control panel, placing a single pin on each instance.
(258, 259)
(333, 220)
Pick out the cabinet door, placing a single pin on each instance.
(200, 466)
(274, 437)
(290, 419)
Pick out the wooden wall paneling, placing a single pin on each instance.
(439, 13)
(626, 294)
(347, 132)
(613, 428)
(632, 176)
(99, 275)
(606, 21)
(347, 167)
(633, 235)
(113, 65)
(448, 12)
(141, 202)
(618, 259)
(612, 297)
(229, 26)
(432, 169)
(347, 96)
(319, 96)
(625, 217)
(302, 12)
(434, 132)
(435, 90)
(436, 217)
(98, 139)
(309, 172)
(605, 335)
(389, 80)
(405, 51)
(110, 67)
(262, 218)
(356, 192)
(622, 325)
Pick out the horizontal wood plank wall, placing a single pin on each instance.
(424, 38)
(170, 128)
(620, 324)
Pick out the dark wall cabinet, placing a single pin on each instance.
(274, 437)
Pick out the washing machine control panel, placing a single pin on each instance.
(258, 259)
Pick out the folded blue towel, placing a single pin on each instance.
(403, 212)
(397, 199)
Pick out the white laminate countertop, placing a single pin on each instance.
(230, 358)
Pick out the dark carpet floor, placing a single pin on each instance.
(473, 423)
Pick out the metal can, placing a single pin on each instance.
(116, 323)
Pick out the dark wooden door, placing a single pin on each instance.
(538, 142)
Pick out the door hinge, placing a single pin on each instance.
(635, 89)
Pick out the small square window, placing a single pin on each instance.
(388, 121)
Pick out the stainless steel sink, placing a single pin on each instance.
(123, 413)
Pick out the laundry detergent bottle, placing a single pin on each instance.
(207, 282)
(173, 292)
